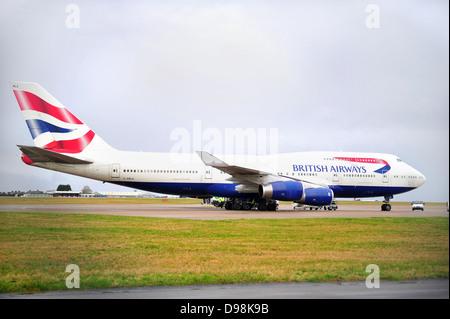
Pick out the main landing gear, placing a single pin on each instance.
(262, 205)
(386, 207)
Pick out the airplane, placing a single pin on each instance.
(65, 144)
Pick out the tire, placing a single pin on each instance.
(262, 206)
(237, 206)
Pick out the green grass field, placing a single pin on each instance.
(94, 201)
(117, 251)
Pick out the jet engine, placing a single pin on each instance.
(296, 191)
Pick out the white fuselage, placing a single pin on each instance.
(348, 174)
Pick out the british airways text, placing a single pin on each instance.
(326, 168)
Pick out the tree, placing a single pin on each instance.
(64, 188)
(86, 190)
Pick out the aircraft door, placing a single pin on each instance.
(115, 170)
(208, 172)
(385, 179)
(336, 179)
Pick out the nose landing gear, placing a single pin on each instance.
(386, 207)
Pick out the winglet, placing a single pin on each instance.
(210, 160)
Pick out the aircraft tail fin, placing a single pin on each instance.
(52, 126)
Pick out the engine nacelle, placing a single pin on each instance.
(282, 191)
(318, 196)
(295, 191)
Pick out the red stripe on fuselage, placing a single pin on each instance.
(363, 160)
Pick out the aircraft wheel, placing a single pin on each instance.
(262, 206)
(237, 206)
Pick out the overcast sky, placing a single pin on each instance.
(328, 75)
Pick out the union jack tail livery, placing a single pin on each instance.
(52, 126)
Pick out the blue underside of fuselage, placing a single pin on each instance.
(228, 190)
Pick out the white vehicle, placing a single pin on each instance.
(417, 205)
(332, 206)
(65, 144)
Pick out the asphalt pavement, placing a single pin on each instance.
(416, 289)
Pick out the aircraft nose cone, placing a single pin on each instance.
(419, 178)
(423, 179)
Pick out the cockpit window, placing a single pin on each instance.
(399, 160)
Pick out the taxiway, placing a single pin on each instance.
(206, 212)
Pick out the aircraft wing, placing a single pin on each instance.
(211, 160)
(249, 178)
(40, 155)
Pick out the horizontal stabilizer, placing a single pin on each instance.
(39, 155)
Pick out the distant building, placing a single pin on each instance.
(36, 193)
(53, 193)
(63, 194)
(87, 195)
(125, 194)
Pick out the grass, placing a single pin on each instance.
(117, 251)
(94, 201)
